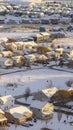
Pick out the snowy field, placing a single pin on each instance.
(34, 79)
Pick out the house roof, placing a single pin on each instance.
(6, 98)
(50, 91)
(20, 110)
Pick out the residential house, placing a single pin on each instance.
(6, 102)
(30, 58)
(45, 94)
(44, 29)
(35, 20)
(12, 47)
(45, 20)
(41, 109)
(65, 20)
(42, 58)
(18, 53)
(7, 53)
(29, 44)
(63, 42)
(25, 20)
(6, 62)
(38, 38)
(18, 114)
(45, 36)
(58, 34)
(11, 21)
(18, 60)
(55, 19)
(19, 45)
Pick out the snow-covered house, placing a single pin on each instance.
(7, 53)
(43, 28)
(19, 45)
(35, 20)
(41, 109)
(45, 20)
(38, 38)
(30, 44)
(59, 34)
(55, 19)
(18, 114)
(6, 62)
(42, 58)
(18, 60)
(12, 46)
(6, 102)
(63, 42)
(45, 36)
(30, 58)
(45, 94)
(57, 28)
(26, 20)
(65, 20)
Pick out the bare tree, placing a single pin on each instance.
(49, 84)
(69, 82)
(27, 93)
(59, 115)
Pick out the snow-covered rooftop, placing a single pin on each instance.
(50, 91)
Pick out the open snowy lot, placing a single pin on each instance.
(34, 79)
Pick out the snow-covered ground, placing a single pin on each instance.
(37, 80)
(34, 79)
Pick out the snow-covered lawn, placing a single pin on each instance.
(34, 79)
